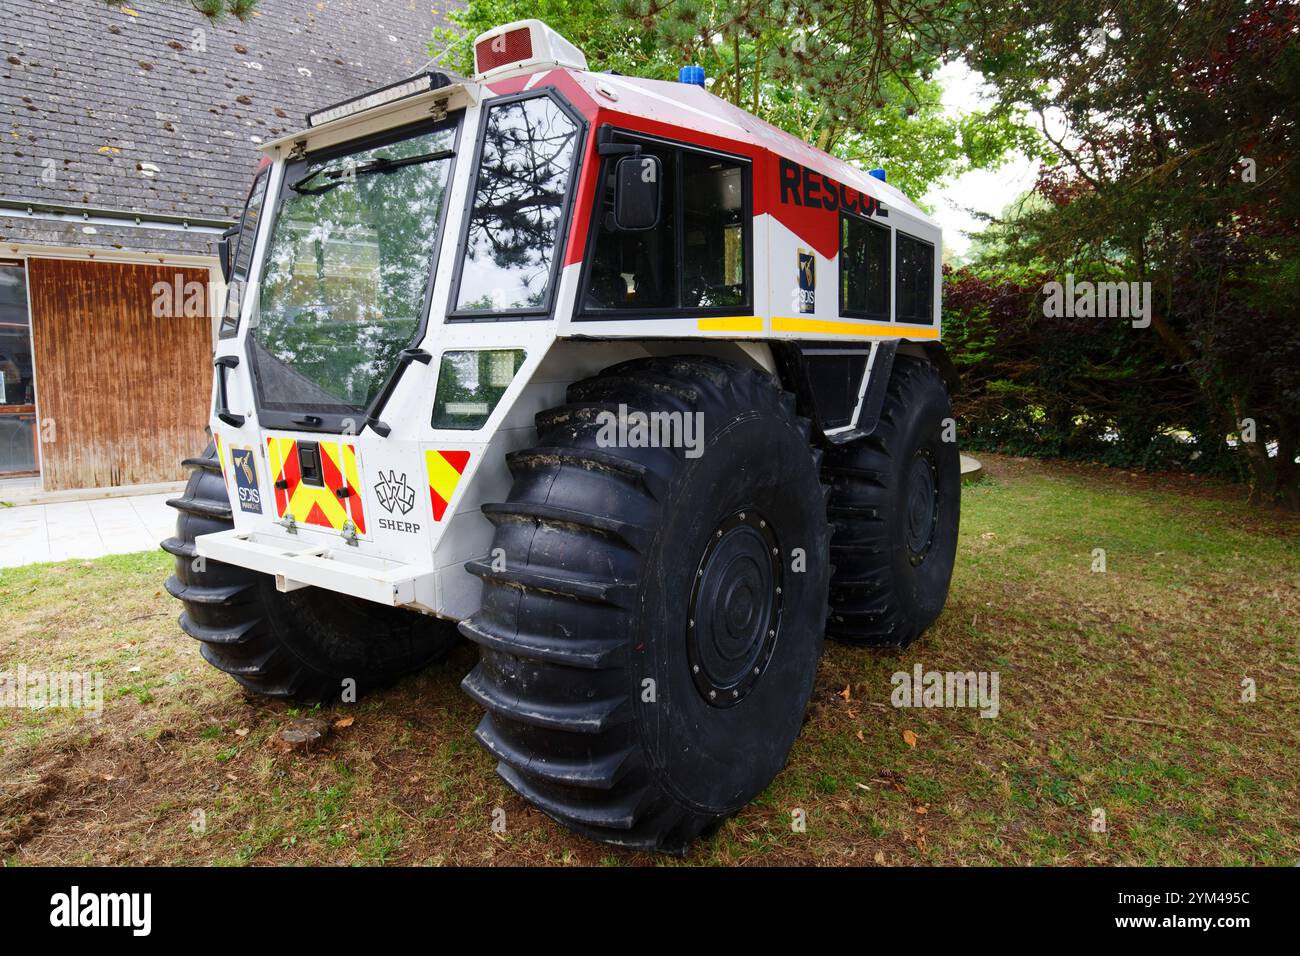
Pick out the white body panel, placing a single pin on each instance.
(417, 559)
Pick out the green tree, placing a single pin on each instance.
(1175, 127)
(855, 78)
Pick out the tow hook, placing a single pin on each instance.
(350, 533)
(288, 524)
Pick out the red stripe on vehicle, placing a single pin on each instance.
(506, 87)
(317, 517)
(329, 469)
(439, 506)
(291, 473)
(358, 513)
(457, 459)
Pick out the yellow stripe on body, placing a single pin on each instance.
(830, 327)
(731, 323)
(221, 458)
(278, 447)
(350, 475)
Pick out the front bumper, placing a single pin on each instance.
(335, 567)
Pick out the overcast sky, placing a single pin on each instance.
(982, 190)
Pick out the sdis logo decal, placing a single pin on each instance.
(807, 281)
(245, 469)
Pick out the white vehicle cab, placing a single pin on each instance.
(641, 394)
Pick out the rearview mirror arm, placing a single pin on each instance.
(223, 252)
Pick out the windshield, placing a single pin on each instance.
(347, 268)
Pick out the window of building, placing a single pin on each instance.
(17, 375)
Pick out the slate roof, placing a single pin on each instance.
(154, 109)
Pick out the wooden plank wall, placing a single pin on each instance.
(127, 394)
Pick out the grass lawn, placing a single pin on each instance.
(1119, 690)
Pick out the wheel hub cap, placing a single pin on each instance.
(734, 615)
(922, 506)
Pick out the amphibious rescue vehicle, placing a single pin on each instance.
(638, 393)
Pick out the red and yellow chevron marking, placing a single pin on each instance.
(444, 469)
(309, 504)
(353, 481)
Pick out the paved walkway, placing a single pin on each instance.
(83, 529)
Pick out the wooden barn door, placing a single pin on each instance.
(123, 396)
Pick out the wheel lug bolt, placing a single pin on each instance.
(762, 524)
(713, 694)
(742, 516)
(778, 590)
(695, 669)
(735, 693)
(755, 671)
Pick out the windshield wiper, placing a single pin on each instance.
(380, 164)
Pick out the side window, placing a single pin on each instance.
(695, 259)
(243, 257)
(713, 249)
(914, 295)
(864, 268)
(637, 270)
(528, 152)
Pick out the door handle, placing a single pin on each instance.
(222, 363)
(404, 358)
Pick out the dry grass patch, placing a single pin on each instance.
(1119, 690)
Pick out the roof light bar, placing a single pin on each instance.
(400, 90)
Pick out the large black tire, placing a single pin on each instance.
(299, 645)
(603, 548)
(895, 506)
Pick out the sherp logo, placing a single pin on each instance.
(394, 493)
(75, 908)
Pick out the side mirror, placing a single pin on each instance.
(637, 189)
(225, 253)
